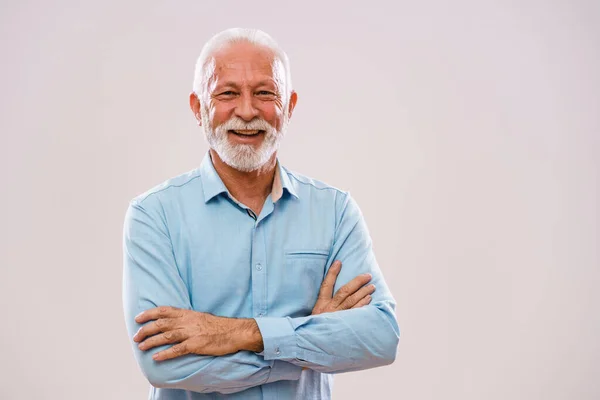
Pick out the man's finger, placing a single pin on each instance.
(176, 351)
(326, 291)
(363, 302)
(350, 288)
(356, 297)
(156, 313)
(168, 337)
(160, 325)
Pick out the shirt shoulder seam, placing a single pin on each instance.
(327, 187)
(142, 198)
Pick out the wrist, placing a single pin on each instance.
(248, 335)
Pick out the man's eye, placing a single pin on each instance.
(228, 93)
(265, 93)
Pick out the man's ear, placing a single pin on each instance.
(195, 106)
(293, 100)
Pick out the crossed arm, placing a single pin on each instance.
(193, 332)
(218, 354)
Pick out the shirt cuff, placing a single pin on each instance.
(284, 371)
(279, 338)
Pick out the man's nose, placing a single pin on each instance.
(245, 108)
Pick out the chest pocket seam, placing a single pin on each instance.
(293, 254)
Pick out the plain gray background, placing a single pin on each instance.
(468, 131)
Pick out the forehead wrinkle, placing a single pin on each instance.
(245, 75)
(246, 59)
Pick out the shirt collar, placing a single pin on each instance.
(213, 185)
(283, 182)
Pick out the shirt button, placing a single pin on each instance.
(259, 267)
(277, 351)
(262, 314)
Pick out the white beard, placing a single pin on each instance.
(243, 157)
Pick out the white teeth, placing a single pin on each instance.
(254, 132)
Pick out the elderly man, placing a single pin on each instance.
(243, 280)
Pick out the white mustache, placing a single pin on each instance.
(236, 123)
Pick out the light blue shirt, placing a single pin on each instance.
(189, 244)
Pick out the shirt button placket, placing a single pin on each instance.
(259, 279)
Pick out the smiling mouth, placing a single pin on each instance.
(246, 132)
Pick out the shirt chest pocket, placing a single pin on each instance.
(305, 270)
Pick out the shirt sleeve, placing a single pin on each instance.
(151, 279)
(348, 340)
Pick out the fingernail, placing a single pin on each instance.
(155, 357)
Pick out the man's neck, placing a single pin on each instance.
(250, 188)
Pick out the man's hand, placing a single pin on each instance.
(195, 333)
(354, 294)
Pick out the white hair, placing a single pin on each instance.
(205, 64)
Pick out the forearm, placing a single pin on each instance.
(341, 341)
(229, 373)
(225, 374)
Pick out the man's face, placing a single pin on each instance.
(244, 113)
